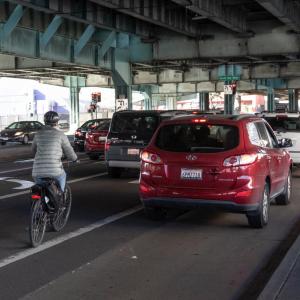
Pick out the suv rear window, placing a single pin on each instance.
(197, 138)
(138, 124)
(103, 125)
(284, 123)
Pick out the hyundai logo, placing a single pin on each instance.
(191, 157)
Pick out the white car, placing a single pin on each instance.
(286, 125)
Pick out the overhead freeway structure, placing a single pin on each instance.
(160, 47)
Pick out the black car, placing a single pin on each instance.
(80, 133)
(129, 133)
(22, 132)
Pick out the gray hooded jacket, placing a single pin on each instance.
(49, 146)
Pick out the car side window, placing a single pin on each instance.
(253, 134)
(37, 125)
(272, 136)
(265, 139)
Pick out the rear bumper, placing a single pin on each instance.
(78, 142)
(12, 139)
(240, 199)
(95, 149)
(195, 203)
(123, 164)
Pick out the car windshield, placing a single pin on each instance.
(197, 138)
(91, 124)
(17, 125)
(139, 124)
(103, 125)
(284, 123)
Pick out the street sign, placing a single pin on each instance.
(228, 89)
(121, 104)
(229, 78)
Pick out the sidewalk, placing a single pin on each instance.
(285, 282)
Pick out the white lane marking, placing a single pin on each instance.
(24, 254)
(135, 181)
(14, 195)
(29, 168)
(24, 161)
(87, 177)
(69, 181)
(15, 170)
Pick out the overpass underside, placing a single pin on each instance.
(171, 47)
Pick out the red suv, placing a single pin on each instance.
(95, 139)
(229, 162)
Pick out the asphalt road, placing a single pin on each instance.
(109, 250)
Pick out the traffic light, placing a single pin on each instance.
(96, 97)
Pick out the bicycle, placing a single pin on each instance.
(46, 211)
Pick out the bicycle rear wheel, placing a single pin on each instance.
(38, 222)
(60, 218)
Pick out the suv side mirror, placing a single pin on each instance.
(285, 143)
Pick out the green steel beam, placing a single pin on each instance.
(85, 37)
(110, 41)
(50, 31)
(12, 22)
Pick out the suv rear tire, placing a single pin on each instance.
(260, 218)
(284, 198)
(114, 172)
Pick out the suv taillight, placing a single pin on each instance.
(107, 145)
(150, 157)
(240, 160)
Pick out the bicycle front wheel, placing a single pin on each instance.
(60, 218)
(38, 222)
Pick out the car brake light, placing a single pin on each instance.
(107, 145)
(240, 160)
(150, 157)
(35, 197)
(199, 120)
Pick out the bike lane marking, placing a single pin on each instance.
(49, 244)
(29, 168)
(69, 181)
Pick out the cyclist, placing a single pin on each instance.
(49, 146)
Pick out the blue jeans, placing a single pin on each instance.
(61, 179)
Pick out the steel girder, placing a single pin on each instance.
(285, 10)
(88, 12)
(161, 13)
(214, 10)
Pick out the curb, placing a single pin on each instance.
(281, 275)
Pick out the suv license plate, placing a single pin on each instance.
(192, 174)
(133, 151)
(102, 138)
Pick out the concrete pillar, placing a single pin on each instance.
(124, 92)
(74, 83)
(121, 74)
(296, 100)
(74, 101)
(270, 100)
(293, 100)
(204, 101)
